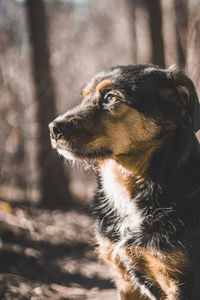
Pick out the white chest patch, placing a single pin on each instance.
(130, 218)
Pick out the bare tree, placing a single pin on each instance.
(53, 182)
(193, 55)
(146, 22)
(155, 22)
(175, 25)
(181, 26)
(131, 8)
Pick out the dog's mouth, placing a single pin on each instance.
(76, 150)
(62, 147)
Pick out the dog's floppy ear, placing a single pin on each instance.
(188, 95)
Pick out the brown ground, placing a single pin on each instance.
(49, 255)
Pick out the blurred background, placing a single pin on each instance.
(48, 50)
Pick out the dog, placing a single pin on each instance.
(136, 124)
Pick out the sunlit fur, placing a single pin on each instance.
(136, 126)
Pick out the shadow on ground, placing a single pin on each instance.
(49, 255)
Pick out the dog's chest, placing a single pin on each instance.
(128, 217)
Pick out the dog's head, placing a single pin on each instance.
(126, 110)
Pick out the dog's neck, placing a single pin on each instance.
(114, 174)
(156, 193)
(136, 161)
(117, 183)
(155, 162)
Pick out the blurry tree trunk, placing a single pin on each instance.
(181, 26)
(169, 32)
(155, 22)
(131, 7)
(193, 55)
(175, 25)
(53, 182)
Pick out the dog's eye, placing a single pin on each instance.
(111, 99)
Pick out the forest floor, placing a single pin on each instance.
(48, 254)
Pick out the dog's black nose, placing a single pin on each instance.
(57, 129)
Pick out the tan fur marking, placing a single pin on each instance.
(184, 94)
(86, 90)
(184, 90)
(119, 275)
(137, 160)
(105, 251)
(136, 125)
(131, 135)
(101, 86)
(135, 295)
(162, 268)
